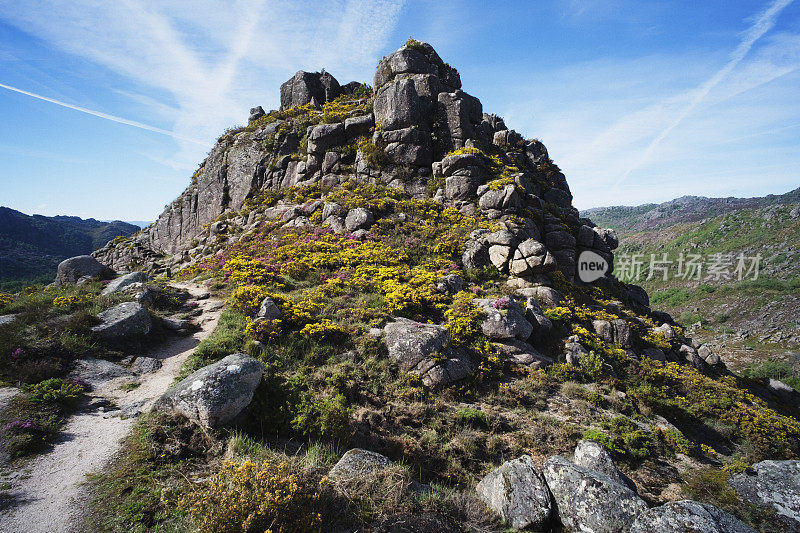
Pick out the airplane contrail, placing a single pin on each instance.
(104, 115)
(761, 26)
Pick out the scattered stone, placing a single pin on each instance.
(687, 516)
(615, 331)
(175, 324)
(123, 282)
(124, 321)
(517, 492)
(574, 350)
(546, 296)
(654, 354)
(7, 319)
(72, 269)
(774, 485)
(215, 395)
(590, 501)
(357, 463)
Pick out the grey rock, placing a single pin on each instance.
(72, 269)
(398, 105)
(499, 255)
(357, 463)
(517, 492)
(325, 136)
(504, 319)
(521, 353)
(450, 284)
(357, 126)
(330, 209)
(795, 213)
(666, 331)
(559, 240)
(419, 155)
(98, 371)
(7, 319)
(616, 331)
(476, 254)
(774, 485)
(124, 321)
(145, 365)
(414, 346)
(787, 394)
(460, 187)
(268, 309)
(214, 395)
(256, 113)
(307, 87)
(531, 257)
(574, 351)
(457, 112)
(124, 281)
(175, 324)
(590, 501)
(359, 218)
(595, 457)
(687, 516)
(546, 296)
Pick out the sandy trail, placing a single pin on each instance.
(46, 489)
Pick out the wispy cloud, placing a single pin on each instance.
(213, 63)
(762, 25)
(102, 115)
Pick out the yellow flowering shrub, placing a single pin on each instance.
(5, 299)
(247, 497)
(244, 270)
(247, 298)
(463, 318)
(68, 302)
(262, 330)
(323, 330)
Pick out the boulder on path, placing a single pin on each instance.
(517, 492)
(216, 394)
(98, 371)
(774, 485)
(590, 501)
(124, 281)
(72, 269)
(127, 320)
(422, 349)
(357, 463)
(687, 516)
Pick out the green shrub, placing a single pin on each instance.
(56, 390)
(780, 370)
(472, 417)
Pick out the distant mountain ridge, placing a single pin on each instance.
(680, 210)
(31, 246)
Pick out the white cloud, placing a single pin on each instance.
(215, 63)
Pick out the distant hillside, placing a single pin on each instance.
(742, 317)
(32, 246)
(681, 210)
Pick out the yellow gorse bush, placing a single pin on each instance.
(67, 302)
(247, 497)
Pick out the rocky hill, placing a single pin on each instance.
(681, 210)
(406, 280)
(32, 246)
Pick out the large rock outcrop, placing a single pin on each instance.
(774, 485)
(516, 491)
(688, 516)
(427, 131)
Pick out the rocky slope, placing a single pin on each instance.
(406, 268)
(32, 246)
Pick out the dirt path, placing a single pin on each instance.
(46, 488)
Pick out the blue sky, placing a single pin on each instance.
(638, 101)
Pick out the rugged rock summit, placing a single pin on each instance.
(423, 135)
